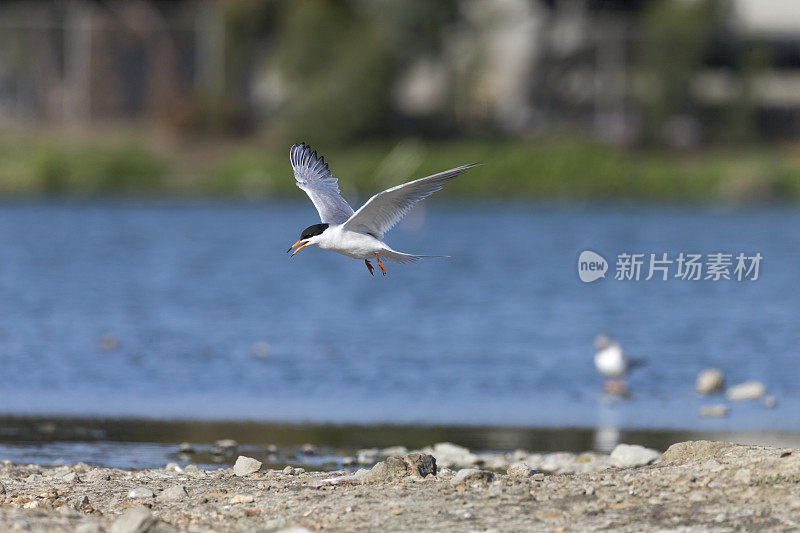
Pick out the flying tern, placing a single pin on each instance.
(358, 234)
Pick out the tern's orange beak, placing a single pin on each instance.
(302, 244)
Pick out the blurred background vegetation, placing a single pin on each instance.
(654, 100)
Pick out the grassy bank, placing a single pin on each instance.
(548, 169)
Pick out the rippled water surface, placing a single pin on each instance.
(195, 311)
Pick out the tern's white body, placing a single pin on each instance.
(358, 234)
(351, 243)
(610, 361)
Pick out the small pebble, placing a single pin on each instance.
(749, 390)
(709, 381)
(176, 492)
(714, 411)
(140, 492)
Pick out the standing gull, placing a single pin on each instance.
(358, 234)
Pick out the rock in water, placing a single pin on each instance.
(470, 476)
(709, 381)
(749, 390)
(186, 447)
(632, 455)
(245, 466)
(714, 411)
(225, 446)
(137, 520)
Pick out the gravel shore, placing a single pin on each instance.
(701, 485)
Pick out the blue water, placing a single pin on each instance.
(501, 333)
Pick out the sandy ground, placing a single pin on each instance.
(697, 486)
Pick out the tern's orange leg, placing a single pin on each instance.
(379, 263)
(369, 266)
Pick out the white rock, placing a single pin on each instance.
(448, 454)
(289, 470)
(631, 455)
(520, 470)
(137, 520)
(714, 411)
(140, 492)
(471, 475)
(749, 390)
(245, 466)
(709, 381)
(71, 477)
(176, 492)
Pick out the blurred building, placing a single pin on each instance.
(676, 71)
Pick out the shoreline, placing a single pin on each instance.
(698, 484)
(147, 443)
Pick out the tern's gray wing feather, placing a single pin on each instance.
(387, 208)
(314, 177)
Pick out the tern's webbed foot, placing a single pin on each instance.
(370, 267)
(380, 264)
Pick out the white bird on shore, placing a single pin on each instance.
(612, 362)
(358, 234)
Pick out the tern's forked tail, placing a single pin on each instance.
(400, 257)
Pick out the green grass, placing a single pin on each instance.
(554, 169)
(774, 479)
(46, 167)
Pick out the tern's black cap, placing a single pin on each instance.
(313, 231)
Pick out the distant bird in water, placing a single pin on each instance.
(612, 362)
(358, 234)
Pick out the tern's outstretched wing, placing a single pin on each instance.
(314, 177)
(387, 208)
